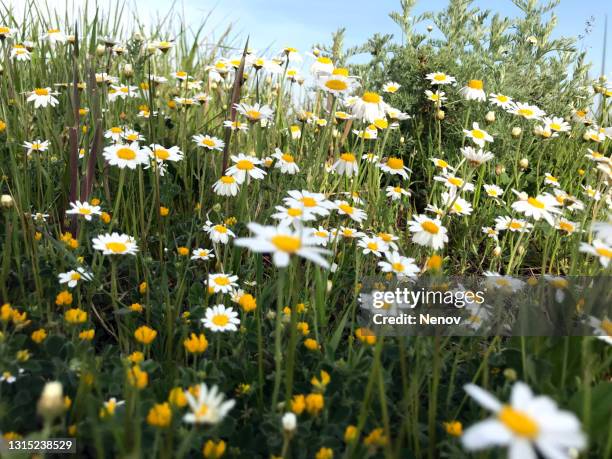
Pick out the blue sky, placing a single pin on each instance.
(277, 23)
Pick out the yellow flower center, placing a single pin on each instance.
(181, 74)
(320, 233)
(208, 142)
(336, 85)
(502, 98)
(397, 267)
(203, 409)
(115, 130)
(132, 137)
(371, 98)
(518, 422)
(220, 229)
(348, 157)
(475, 84)
(75, 276)
(4, 30)
(294, 212)
(439, 77)
(41, 92)
(53, 31)
(340, 71)
(478, 134)
(245, 165)
(253, 114)
(222, 281)
(220, 320)
(324, 60)
(455, 181)
(525, 112)
(606, 325)
(441, 163)
(372, 246)
(116, 247)
(555, 126)
(395, 163)
(536, 203)
(565, 226)
(604, 252)
(308, 201)
(288, 158)
(346, 208)
(430, 227)
(161, 153)
(84, 211)
(289, 244)
(126, 153)
(228, 179)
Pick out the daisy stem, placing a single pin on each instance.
(278, 355)
(115, 215)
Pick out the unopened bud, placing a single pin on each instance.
(402, 139)
(524, 163)
(429, 28)
(516, 131)
(128, 70)
(100, 50)
(510, 374)
(490, 117)
(499, 169)
(6, 200)
(440, 114)
(51, 402)
(497, 251)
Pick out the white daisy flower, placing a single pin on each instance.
(236, 125)
(478, 136)
(122, 92)
(218, 233)
(115, 244)
(344, 208)
(493, 191)
(457, 205)
(129, 155)
(222, 283)
(428, 232)
(391, 87)
(526, 425)
(285, 162)
(315, 203)
(209, 407)
(373, 244)
(283, 242)
(160, 153)
(599, 249)
(512, 224)
(322, 65)
(602, 328)
(202, 254)
(395, 166)
(42, 97)
(453, 182)
(500, 100)
(54, 36)
(529, 112)
(346, 165)
(473, 91)
(401, 266)
(20, 53)
(255, 113)
(556, 124)
(369, 107)
(440, 78)
(72, 277)
(84, 209)
(206, 141)
(396, 192)
(36, 146)
(226, 186)
(476, 157)
(338, 85)
(542, 206)
(292, 215)
(245, 166)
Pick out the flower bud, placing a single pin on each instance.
(51, 402)
(128, 70)
(516, 131)
(490, 117)
(289, 422)
(100, 50)
(6, 201)
(402, 139)
(524, 163)
(499, 169)
(510, 374)
(440, 114)
(429, 28)
(497, 251)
